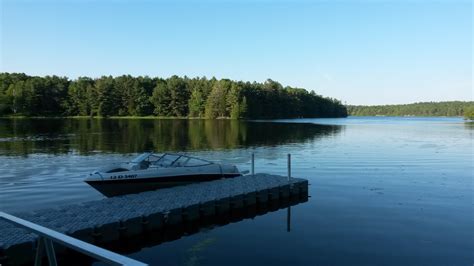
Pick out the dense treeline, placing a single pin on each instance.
(21, 94)
(453, 108)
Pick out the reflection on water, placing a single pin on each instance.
(469, 125)
(384, 191)
(87, 136)
(288, 219)
(40, 158)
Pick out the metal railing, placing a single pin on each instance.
(48, 236)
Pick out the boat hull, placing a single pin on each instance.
(111, 187)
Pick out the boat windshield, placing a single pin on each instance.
(141, 157)
(177, 160)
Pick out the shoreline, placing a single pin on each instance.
(114, 117)
(148, 117)
(204, 118)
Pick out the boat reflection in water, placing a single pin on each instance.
(151, 238)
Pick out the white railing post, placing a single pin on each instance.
(48, 244)
(39, 252)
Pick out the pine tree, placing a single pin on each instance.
(161, 99)
(107, 98)
(196, 104)
(179, 96)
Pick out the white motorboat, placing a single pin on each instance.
(151, 171)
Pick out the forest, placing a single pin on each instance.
(24, 95)
(452, 108)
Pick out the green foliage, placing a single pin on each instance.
(161, 99)
(216, 105)
(81, 97)
(243, 107)
(200, 89)
(127, 91)
(4, 103)
(33, 95)
(179, 96)
(173, 97)
(233, 101)
(107, 101)
(453, 108)
(469, 112)
(19, 97)
(134, 100)
(7, 82)
(196, 104)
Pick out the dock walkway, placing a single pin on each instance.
(110, 219)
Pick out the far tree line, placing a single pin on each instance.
(21, 94)
(451, 108)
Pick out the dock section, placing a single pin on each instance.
(111, 219)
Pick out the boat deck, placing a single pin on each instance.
(110, 219)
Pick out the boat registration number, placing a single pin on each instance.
(123, 176)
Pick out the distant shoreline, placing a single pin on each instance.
(203, 118)
(426, 109)
(392, 115)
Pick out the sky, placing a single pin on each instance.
(360, 52)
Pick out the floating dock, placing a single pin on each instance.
(109, 220)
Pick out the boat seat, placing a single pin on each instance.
(144, 165)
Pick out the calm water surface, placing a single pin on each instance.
(384, 191)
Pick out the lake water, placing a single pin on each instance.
(383, 191)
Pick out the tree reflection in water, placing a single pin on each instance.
(87, 136)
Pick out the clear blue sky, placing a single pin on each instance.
(361, 52)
